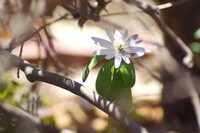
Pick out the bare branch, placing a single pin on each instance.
(170, 4)
(33, 74)
(22, 117)
(181, 46)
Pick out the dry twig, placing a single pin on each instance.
(181, 46)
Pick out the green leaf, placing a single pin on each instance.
(115, 84)
(92, 63)
(195, 47)
(104, 78)
(125, 99)
(197, 34)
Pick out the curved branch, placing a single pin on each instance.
(181, 46)
(33, 74)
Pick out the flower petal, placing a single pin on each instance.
(135, 42)
(136, 55)
(138, 49)
(102, 42)
(117, 62)
(147, 50)
(117, 33)
(133, 38)
(104, 52)
(110, 56)
(118, 37)
(125, 35)
(126, 59)
(110, 35)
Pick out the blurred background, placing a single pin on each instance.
(57, 37)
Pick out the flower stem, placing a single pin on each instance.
(109, 124)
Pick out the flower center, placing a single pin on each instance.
(120, 46)
(120, 49)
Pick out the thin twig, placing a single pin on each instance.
(153, 13)
(194, 99)
(170, 4)
(20, 56)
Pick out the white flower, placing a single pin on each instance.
(120, 47)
